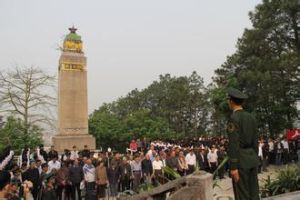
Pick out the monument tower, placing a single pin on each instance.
(72, 96)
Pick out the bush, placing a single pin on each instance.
(287, 180)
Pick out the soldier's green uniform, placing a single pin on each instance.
(242, 150)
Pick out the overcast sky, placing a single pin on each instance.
(128, 43)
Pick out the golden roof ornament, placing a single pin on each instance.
(72, 41)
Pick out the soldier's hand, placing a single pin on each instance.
(235, 175)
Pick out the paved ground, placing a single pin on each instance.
(225, 192)
(290, 196)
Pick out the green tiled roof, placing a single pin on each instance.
(73, 36)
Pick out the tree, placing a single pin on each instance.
(266, 65)
(24, 93)
(182, 101)
(172, 107)
(141, 124)
(12, 133)
(107, 128)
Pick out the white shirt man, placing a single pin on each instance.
(212, 156)
(54, 164)
(279, 146)
(151, 153)
(191, 159)
(285, 144)
(271, 145)
(89, 172)
(157, 164)
(260, 152)
(74, 154)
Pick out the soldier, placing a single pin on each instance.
(242, 148)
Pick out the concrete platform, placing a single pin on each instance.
(288, 196)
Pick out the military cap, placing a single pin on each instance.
(235, 93)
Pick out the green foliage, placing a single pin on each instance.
(287, 180)
(12, 133)
(219, 109)
(169, 172)
(145, 187)
(108, 129)
(215, 181)
(266, 66)
(113, 132)
(141, 124)
(224, 161)
(171, 108)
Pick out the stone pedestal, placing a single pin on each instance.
(198, 186)
(62, 142)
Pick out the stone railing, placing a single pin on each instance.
(198, 186)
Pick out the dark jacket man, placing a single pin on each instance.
(32, 174)
(76, 174)
(125, 175)
(172, 161)
(147, 167)
(202, 159)
(52, 153)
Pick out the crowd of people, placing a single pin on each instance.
(277, 152)
(41, 175)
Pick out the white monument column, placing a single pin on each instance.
(72, 96)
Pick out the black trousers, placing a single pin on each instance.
(125, 183)
(91, 192)
(271, 158)
(181, 172)
(101, 190)
(285, 156)
(247, 187)
(213, 167)
(34, 193)
(68, 192)
(221, 172)
(59, 192)
(75, 189)
(63, 189)
(191, 169)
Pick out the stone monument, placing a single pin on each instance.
(72, 96)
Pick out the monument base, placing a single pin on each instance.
(62, 142)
